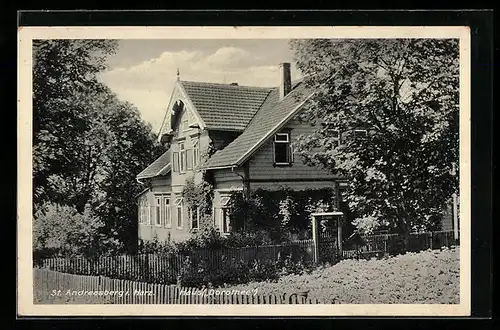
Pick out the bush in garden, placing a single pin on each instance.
(61, 230)
(237, 271)
(285, 214)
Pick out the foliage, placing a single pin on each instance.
(285, 214)
(429, 277)
(88, 146)
(199, 196)
(207, 237)
(405, 93)
(62, 230)
(229, 271)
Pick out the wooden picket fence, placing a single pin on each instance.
(380, 244)
(115, 291)
(165, 268)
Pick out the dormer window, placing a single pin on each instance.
(282, 149)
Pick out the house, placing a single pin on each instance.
(249, 129)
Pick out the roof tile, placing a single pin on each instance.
(224, 106)
(268, 117)
(160, 164)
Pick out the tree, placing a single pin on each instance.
(88, 145)
(405, 94)
(62, 230)
(63, 71)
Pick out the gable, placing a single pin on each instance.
(179, 104)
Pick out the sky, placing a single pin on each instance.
(143, 72)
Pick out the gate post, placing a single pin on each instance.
(339, 234)
(315, 238)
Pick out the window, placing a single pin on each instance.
(182, 156)
(225, 221)
(194, 217)
(282, 149)
(221, 215)
(166, 213)
(360, 134)
(143, 211)
(150, 214)
(157, 211)
(189, 160)
(176, 162)
(196, 152)
(178, 204)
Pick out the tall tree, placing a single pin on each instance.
(63, 71)
(88, 145)
(405, 94)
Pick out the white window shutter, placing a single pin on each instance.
(189, 153)
(176, 162)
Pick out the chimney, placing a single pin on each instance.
(285, 80)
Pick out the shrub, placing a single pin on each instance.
(285, 214)
(61, 231)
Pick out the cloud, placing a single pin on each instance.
(148, 85)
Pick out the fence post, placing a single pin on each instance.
(432, 239)
(339, 234)
(315, 238)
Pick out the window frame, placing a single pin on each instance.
(182, 157)
(157, 211)
(189, 160)
(167, 212)
(225, 227)
(196, 152)
(191, 220)
(143, 208)
(288, 147)
(150, 214)
(224, 209)
(179, 203)
(176, 163)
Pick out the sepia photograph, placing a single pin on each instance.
(320, 169)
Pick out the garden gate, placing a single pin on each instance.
(327, 236)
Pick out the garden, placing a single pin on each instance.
(427, 277)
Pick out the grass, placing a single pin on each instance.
(430, 277)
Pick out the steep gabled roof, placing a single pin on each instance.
(224, 106)
(271, 117)
(161, 166)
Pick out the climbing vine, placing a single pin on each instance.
(283, 213)
(199, 196)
